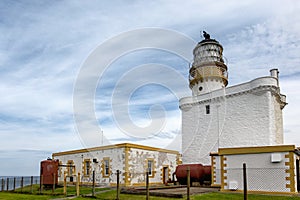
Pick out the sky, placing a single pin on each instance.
(129, 60)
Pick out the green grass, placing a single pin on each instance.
(19, 196)
(228, 196)
(111, 195)
(71, 190)
(25, 193)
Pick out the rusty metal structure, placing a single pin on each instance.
(49, 172)
(198, 173)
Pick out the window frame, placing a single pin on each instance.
(71, 170)
(152, 171)
(106, 167)
(87, 167)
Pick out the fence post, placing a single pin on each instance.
(41, 184)
(188, 182)
(31, 184)
(65, 183)
(297, 174)
(7, 184)
(54, 182)
(14, 183)
(2, 185)
(93, 192)
(147, 185)
(22, 183)
(77, 184)
(245, 181)
(118, 184)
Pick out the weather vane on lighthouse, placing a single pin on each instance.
(206, 35)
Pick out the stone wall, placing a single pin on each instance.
(248, 114)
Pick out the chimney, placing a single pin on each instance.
(274, 73)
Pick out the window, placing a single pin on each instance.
(207, 107)
(87, 167)
(150, 167)
(105, 167)
(71, 167)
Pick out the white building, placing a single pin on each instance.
(269, 169)
(241, 124)
(130, 159)
(248, 114)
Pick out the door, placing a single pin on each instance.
(165, 174)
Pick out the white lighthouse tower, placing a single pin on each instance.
(208, 71)
(216, 116)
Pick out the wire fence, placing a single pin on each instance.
(275, 180)
(10, 183)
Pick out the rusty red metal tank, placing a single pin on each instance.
(198, 173)
(207, 174)
(49, 172)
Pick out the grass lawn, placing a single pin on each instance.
(19, 196)
(111, 195)
(217, 196)
(47, 193)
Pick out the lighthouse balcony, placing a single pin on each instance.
(201, 73)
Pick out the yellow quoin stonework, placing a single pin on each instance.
(130, 159)
(264, 165)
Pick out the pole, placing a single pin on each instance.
(77, 184)
(14, 183)
(118, 185)
(31, 184)
(298, 175)
(2, 185)
(147, 185)
(22, 183)
(188, 182)
(93, 192)
(245, 181)
(7, 184)
(65, 183)
(54, 182)
(41, 184)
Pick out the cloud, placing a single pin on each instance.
(44, 44)
(259, 47)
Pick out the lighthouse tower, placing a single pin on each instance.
(216, 116)
(208, 71)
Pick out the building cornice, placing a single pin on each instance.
(114, 146)
(257, 149)
(255, 86)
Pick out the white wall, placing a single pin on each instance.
(243, 115)
(116, 156)
(137, 164)
(262, 174)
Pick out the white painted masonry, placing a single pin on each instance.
(270, 169)
(130, 159)
(248, 114)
